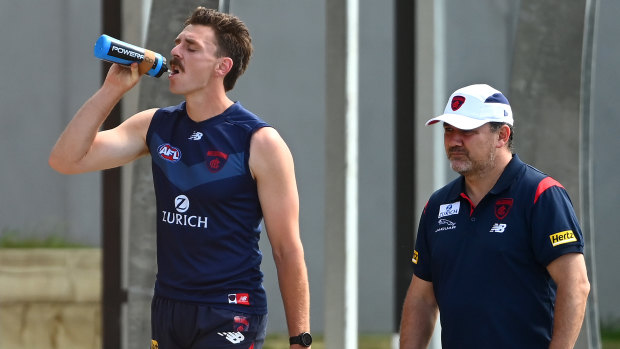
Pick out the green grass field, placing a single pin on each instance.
(610, 338)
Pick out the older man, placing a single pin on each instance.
(499, 251)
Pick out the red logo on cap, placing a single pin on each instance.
(457, 102)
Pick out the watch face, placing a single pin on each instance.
(306, 339)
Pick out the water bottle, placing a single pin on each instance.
(116, 51)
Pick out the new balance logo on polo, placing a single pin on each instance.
(233, 337)
(562, 237)
(498, 228)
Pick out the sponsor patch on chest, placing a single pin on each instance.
(449, 209)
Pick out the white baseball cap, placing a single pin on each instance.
(473, 106)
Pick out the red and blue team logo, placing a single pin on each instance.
(457, 102)
(241, 323)
(502, 207)
(216, 160)
(169, 153)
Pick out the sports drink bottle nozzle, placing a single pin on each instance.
(116, 51)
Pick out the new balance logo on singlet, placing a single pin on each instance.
(196, 136)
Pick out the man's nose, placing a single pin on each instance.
(453, 139)
(175, 51)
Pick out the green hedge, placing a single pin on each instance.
(16, 239)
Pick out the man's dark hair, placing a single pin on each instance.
(495, 126)
(233, 40)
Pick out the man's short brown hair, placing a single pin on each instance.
(233, 40)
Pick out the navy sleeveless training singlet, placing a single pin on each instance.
(208, 212)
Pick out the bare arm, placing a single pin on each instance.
(570, 276)
(82, 148)
(272, 166)
(419, 315)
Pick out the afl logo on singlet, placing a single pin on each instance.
(169, 153)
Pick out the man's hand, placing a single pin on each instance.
(122, 77)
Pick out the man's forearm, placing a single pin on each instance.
(80, 133)
(419, 315)
(293, 281)
(416, 326)
(570, 305)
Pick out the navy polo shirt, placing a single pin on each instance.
(488, 263)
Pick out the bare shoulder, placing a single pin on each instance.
(266, 141)
(266, 137)
(268, 150)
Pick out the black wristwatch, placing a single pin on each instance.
(305, 339)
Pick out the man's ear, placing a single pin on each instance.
(503, 136)
(224, 66)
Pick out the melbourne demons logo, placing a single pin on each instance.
(216, 160)
(457, 102)
(169, 153)
(502, 207)
(242, 323)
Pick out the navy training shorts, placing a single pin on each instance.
(182, 325)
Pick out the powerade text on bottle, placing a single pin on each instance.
(116, 51)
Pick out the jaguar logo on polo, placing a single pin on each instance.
(562, 237)
(449, 209)
(445, 224)
(502, 207)
(169, 153)
(216, 160)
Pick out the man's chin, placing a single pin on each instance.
(460, 167)
(174, 90)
